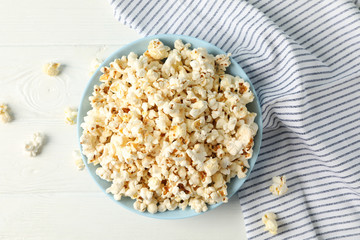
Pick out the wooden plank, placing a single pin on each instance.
(42, 22)
(92, 216)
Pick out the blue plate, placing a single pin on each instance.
(139, 47)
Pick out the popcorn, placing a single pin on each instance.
(51, 69)
(178, 131)
(269, 219)
(171, 205)
(218, 180)
(33, 147)
(223, 61)
(194, 179)
(103, 173)
(4, 113)
(169, 128)
(234, 147)
(171, 64)
(211, 166)
(95, 64)
(140, 206)
(198, 108)
(146, 194)
(198, 205)
(197, 154)
(78, 160)
(70, 115)
(243, 138)
(157, 50)
(163, 123)
(232, 123)
(278, 188)
(152, 208)
(154, 183)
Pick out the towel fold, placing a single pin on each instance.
(303, 59)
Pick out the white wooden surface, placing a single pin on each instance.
(46, 197)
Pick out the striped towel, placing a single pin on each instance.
(303, 58)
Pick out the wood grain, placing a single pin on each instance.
(42, 22)
(91, 216)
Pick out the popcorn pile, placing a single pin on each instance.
(170, 128)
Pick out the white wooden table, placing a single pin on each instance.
(46, 197)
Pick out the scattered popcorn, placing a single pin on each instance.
(94, 65)
(278, 188)
(33, 147)
(169, 128)
(4, 113)
(269, 219)
(51, 69)
(70, 115)
(78, 160)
